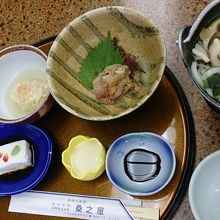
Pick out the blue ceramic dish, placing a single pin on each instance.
(140, 164)
(26, 179)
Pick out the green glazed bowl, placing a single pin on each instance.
(136, 34)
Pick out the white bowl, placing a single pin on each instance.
(204, 189)
(19, 63)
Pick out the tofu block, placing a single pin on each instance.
(15, 156)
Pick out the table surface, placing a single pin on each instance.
(28, 21)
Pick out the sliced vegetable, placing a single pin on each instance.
(214, 81)
(216, 91)
(196, 74)
(210, 72)
(205, 36)
(209, 91)
(200, 53)
(206, 65)
(208, 78)
(214, 52)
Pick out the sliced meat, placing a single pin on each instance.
(113, 82)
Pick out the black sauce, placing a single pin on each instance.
(142, 165)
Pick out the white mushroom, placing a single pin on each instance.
(214, 52)
(206, 34)
(200, 53)
(214, 25)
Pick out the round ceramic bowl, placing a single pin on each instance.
(204, 188)
(23, 180)
(138, 40)
(140, 164)
(19, 64)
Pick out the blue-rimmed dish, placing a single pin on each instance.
(140, 164)
(26, 179)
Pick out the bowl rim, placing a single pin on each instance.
(195, 174)
(172, 172)
(44, 170)
(142, 100)
(24, 47)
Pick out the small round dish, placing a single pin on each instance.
(140, 164)
(23, 180)
(204, 188)
(24, 94)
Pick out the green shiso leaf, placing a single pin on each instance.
(103, 55)
(15, 150)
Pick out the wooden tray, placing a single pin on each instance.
(166, 113)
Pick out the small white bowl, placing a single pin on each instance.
(21, 60)
(204, 189)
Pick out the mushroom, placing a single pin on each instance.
(200, 53)
(215, 35)
(215, 24)
(206, 34)
(214, 52)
